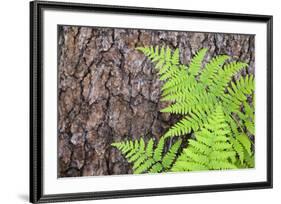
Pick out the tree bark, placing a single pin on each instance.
(108, 91)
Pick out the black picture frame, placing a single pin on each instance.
(36, 101)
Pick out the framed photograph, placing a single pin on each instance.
(131, 101)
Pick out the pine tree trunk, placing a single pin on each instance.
(108, 91)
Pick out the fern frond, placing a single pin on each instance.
(159, 149)
(170, 72)
(223, 76)
(169, 158)
(249, 124)
(176, 57)
(183, 127)
(196, 62)
(179, 78)
(156, 168)
(195, 92)
(200, 146)
(211, 69)
(197, 102)
(245, 142)
(221, 165)
(149, 148)
(211, 149)
(165, 61)
(250, 161)
(249, 110)
(134, 147)
(185, 165)
(238, 148)
(179, 84)
(140, 151)
(146, 158)
(145, 166)
(242, 88)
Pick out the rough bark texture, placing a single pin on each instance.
(108, 91)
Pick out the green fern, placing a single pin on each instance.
(211, 149)
(216, 108)
(196, 91)
(146, 158)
